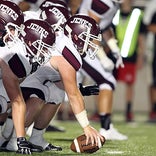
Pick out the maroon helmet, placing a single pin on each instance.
(83, 31)
(10, 16)
(56, 16)
(39, 38)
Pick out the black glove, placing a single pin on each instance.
(26, 147)
(23, 146)
(89, 90)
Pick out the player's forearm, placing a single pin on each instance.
(76, 102)
(78, 108)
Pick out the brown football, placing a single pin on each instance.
(79, 145)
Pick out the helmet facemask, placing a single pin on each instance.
(84, 33)
(11, 38)
(90, 47)
(59, 24)
(39, 51)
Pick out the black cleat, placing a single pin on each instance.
(26, 147)
(35, 148)
(51, 147)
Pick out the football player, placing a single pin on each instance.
(103, 12)
(56, 22)
(15, 64)
(47, 88)
(66, 58)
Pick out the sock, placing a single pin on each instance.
(37, 137)
(128, 107)
(154, 107)
(105, 121)
(29, 129)
(12, 144)
(1, 129)
(2, 139)
(8, 128)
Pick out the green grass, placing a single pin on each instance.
(141, 139)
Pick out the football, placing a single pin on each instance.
(78, 145)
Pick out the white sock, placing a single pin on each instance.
(1, 130)
(12, 144)
(2, 139)
(37, 138)
(29, 129)
(8, 128)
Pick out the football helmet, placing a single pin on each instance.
(48, 3)
(85, 34)
(39, 38)
(56, 16)
(11, 17)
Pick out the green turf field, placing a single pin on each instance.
(141, 142)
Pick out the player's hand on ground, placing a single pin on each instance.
(93, 135)
(23, 146)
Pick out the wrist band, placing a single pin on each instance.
(82, 119)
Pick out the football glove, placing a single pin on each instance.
(89, 90)
(119, 61)
(112, 43)
(23, 146)
(26, 147)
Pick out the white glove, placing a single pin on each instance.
(119, 61)
(112, 43)
(106, 62)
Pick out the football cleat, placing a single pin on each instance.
(112, 134)
(51, 147)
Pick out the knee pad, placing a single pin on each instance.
(105, 86)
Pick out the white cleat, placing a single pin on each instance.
(112, 134)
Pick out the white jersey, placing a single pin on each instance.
(104, 9)
(16, 1)
(16, 58)
(31, 14)
(35, 6)
(46, 73)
